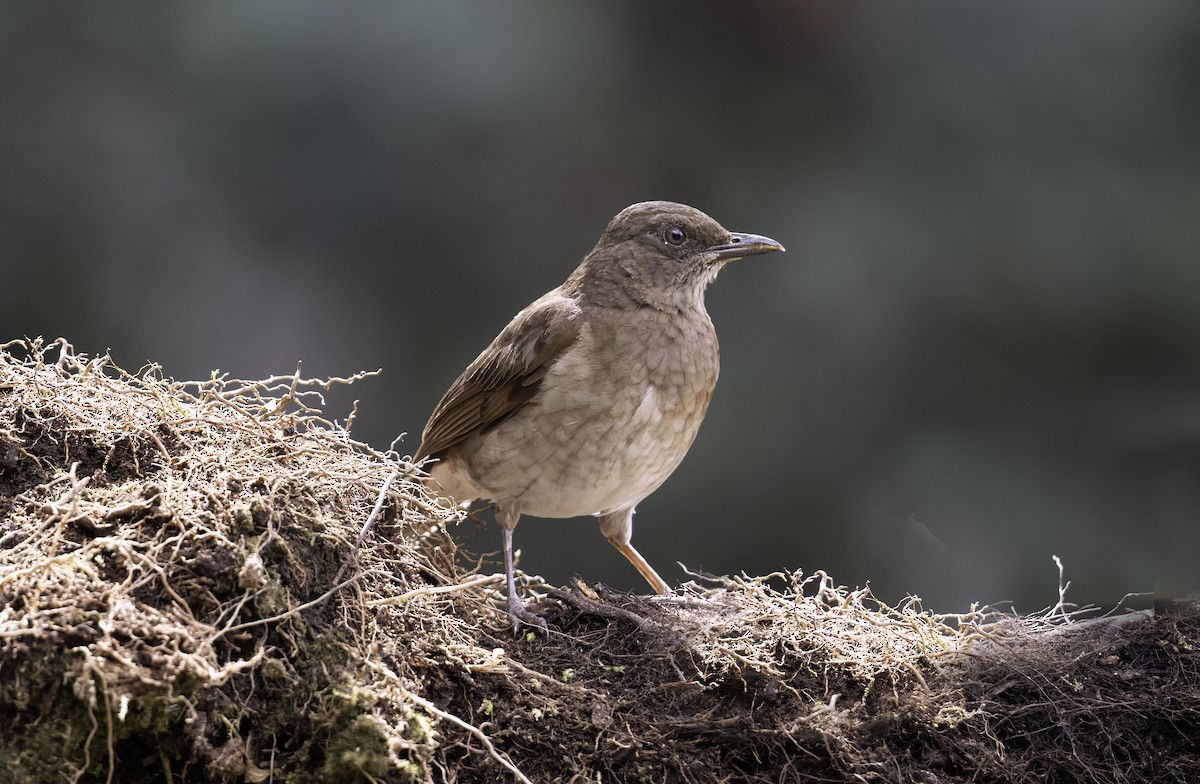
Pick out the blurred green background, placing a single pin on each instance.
(981, 349)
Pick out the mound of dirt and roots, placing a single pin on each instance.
(173, 609)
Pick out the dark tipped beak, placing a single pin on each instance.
(740, 245)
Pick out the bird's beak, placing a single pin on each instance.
(740, 245)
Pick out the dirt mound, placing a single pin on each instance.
(169, 612)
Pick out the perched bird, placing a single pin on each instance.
(591, 396)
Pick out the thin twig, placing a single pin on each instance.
(370, 523)
(431, 590)
(479, 734)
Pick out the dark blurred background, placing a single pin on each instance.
(982, 348)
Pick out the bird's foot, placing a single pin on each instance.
(519, 614)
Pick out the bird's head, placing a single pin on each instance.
(663, 254)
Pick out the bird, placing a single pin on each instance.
(591, 396)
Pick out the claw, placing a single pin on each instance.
(518, 613)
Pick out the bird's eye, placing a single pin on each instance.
(675, 235)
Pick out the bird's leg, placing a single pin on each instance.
(644, 568)
(518, 613)
(618, 529)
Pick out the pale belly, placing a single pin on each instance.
(593, 467)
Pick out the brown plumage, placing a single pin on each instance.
(588, 400)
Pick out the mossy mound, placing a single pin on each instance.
(170, 611)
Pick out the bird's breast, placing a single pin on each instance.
(612, 419)
(659, 369)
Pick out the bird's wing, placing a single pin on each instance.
(505, 376)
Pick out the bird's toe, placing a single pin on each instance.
(519, 614)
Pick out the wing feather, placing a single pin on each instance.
(505, 377)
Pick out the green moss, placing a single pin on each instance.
(355, 749)
(418, 729)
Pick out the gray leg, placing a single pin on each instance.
(618, 529)
(518, 613)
